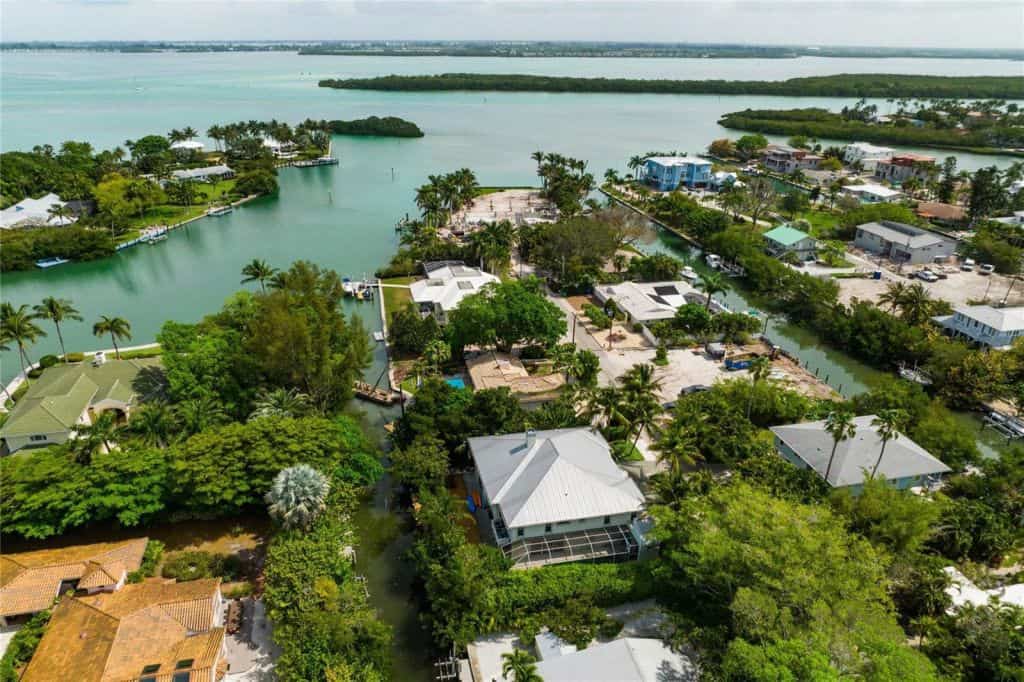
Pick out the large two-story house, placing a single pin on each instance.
(984, 325)
(446, 285)
(667, 173)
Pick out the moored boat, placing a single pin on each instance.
(220, 210)
(51, 262)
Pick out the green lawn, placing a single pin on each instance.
(169, 214)
(483, 191)
(394, 297)
(823, 222)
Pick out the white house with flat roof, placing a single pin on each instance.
(204, 174)
(905, 464)
(1017, 219)
(903, 243)
(446, 285)
(872, 193)
(186, 146)
(31, 212)
(866, 154)
(557, 496)
(646, 302)
(987, 326)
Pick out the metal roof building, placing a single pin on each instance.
(905, 463)
(630, 659)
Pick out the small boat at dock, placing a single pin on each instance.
(220, 210)
(51, 262)
(713, 260)
(157, 238)
(689, 273)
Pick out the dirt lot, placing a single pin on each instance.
(505, 205)
(959, 287)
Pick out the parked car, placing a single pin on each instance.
(967, 265)
(927, 276)
(986, 269)
(695, 388)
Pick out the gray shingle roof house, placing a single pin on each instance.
(905, 464)
(557, 495)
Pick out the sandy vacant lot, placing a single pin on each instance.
(512, 204)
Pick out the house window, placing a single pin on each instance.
(547, 527)
(181, 677)
(37, 438)
(607, 520)
(184, 663)
(519, 532)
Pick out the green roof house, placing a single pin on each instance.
(785, 239)
(68, 396)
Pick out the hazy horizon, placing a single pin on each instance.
(840, 23)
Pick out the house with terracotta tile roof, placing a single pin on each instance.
(154, 631)
(31, 581)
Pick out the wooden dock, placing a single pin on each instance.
(373, 394)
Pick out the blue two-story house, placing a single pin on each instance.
(984, 325)
(666, 173)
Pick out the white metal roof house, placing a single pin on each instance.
(445, 287)
(629, 659)
(188, 146)
(905, 464)
(31, 212)
(557, 496)
(203, 174)
(872, 193)
(987, 326)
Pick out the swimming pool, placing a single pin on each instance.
(456, 382)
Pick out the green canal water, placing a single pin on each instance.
(343, 217)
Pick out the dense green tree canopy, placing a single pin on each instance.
(505, 314)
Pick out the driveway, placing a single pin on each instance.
(6, 635)
(251, 651)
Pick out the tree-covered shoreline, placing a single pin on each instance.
(376, 126)
(840, 85)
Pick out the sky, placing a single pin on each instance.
(890, 23)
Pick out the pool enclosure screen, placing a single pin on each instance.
(613, 544)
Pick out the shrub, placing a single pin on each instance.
(48, 361)
(22, 646)
(75, 357)
(534, 352)
(150, 558)
(196, 565)
(35, 373)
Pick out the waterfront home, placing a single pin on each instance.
(205, 174)
(666, 173)
(1016, 219)
(502, 370)
(31, 212)
(69, 396)
(723, 180)
(903, 243)
(984, 325)
(962, 591)
(939, 212)
(872, 193)
(281, 150)
(447, 283)
(30, 581)
(556, 496)
(900, 167)
(144, 632)
(866, 154)
(905, 464)
(646, 302)
(784, 159)
(186, 147)
(785, 239)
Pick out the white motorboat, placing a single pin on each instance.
(713, 260)
(689, 273)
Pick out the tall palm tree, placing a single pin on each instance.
(521, 665)
(189, 133)
(92, 438)
(640, 388)
(57, 310)
(117, 327)
(154, 423)
(58, 212)
(200, 413)
(281, 402)
(18, 325)
(893, 296)
(840, 426)
(888, 423)
(712, 283)
(917, 304)
(759, 370)
(258, 271)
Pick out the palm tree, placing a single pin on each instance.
(640, 388)
(521, 665)
(712, 283)
(894, 296)
(18, 325)
(297, 496)
(117, 327)
(281, 402)
(189, 133)
(154, 423)
(91, 438)
(916, 304)
(760, 368)
(57, 310)
(59, 212)
(840, 426)
(200, 413)
(258, 271)
(635, 162)
(888, 424)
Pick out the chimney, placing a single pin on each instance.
(531, 438)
